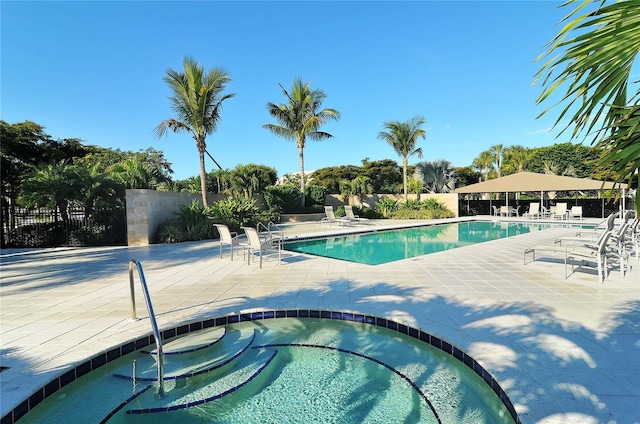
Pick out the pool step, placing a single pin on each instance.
(193, 342)
(216, 355)
(200, 390)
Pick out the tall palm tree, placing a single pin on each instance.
(515, 158)
(403, 137)
(592, 56)
(197, 101)
(484, 163)
(496, 151)
(301, 118)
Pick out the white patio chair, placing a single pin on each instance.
(331, 218)
(560, 211)
(534, 211)
(262, 245)
(228, 237)
(588, 254)
(348, 210)
(575, 212)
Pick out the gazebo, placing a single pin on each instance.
(533, 182)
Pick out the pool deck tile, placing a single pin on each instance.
(564, 350)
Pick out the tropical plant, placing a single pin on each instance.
(251, 179)
(403, 137)
(484, 163)
(386, 207)
(593, 56)
(301, 118)
(415, 184)
(496, 152)
(235, 211)
(515, 158)
(197, 100)
(437, 176)
(244, 182)
(52, 185)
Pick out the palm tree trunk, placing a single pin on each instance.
(302, 179)
(203, 179)
(404, 177)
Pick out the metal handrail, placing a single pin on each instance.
(152, 318)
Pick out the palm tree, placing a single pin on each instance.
(592, 56)
(496, 151)
(403, 137)
(197, 101)
(301, 118)
(484, 163)
(515, 158)
(52, 185)
(437, 176)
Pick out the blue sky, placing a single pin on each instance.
(93, 70)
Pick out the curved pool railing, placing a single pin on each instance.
(152, 318)
(185, 328)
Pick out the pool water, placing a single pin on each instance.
(387, 246)
(306, 370)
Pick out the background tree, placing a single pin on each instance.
(197, 101)
(496, 151)
(301, 118)
(484, 163)
(385, 175)
(578, 158)
(403, 137)
(466, 176)
(515, 159)
(592, 57)
(52, 185)
(331, 177)
(251, 179)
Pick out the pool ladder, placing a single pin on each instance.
(152, 317)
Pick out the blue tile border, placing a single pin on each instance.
(114, 353)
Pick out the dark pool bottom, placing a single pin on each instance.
(256, 317)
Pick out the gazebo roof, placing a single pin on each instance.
(531, 181)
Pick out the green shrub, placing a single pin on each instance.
(234, 212)
(386, 207)
(282, 198)
(171, 232)
(194, 222)
(315, 195)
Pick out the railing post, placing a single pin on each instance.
(132, 291)
(154, 324)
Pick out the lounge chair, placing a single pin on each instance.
(534, 211)
(587, 253)
(331, 217)
(228, 237)
(262, 245)
(575, 212)
(560, 211)
(592, 254)
(348, 210)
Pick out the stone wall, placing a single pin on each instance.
(148, 209)
(450, 200)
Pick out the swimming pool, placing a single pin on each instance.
(387, 246)
(341, 369)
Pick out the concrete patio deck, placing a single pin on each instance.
(564, 350)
